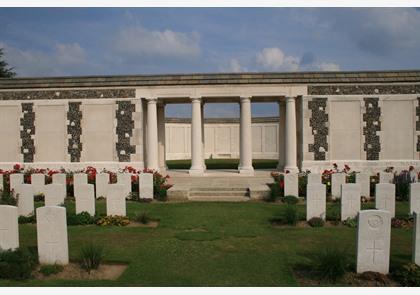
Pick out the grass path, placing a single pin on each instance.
(209, 244)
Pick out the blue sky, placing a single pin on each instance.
(109, 41)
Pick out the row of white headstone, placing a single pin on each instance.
(102, 183)
(291, 182)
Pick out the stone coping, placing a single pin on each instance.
(400, 76)
(223, 120)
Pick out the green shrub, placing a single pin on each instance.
(91, 256)
(113, 220)
(51, 269)
(350, 222)
(17, 264)
(142, 218)
(8, 198)
(82, 218)
(39, 198)
(27, 219)
(291, 214)
(291, 200)
(302, 184)
(331, 263)
(408, 275)
(334, 213)
(316, 222)
(275, 192)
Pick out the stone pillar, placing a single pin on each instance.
(196, 138)
(245, 149)
(290, 134)
(282, 138)
(161, 136)
(152, 135)
(202, 136)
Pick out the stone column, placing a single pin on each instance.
(152, 135)
(202, 136)
(161, 136)
(290, 134)
(245, 149)
(282, 138)
(196, 138)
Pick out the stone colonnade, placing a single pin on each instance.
(155, 145)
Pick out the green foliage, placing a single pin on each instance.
(291, 200)
(275, 192)
(51, 269)
(39, 198)
(91, 256)
(17, 264)
(82, 218)
(142, 218)
(334, 213)
(5, 71)
(27, 219)
(8, 198)
(350, 222)
(113, 220)
(291, 214)
(331, 263)
(302, 184)
(316, 222)
(408, 275)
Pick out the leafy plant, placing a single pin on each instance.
(331, 263)
(17, 264)
(142, 218)
(91, 256)
(291, 214)
(82, 218)
(113, 220)
(408, 275)
(291, 200)
(350, 222)
(8, 198)
(334, 213)
(402, 185)
(27, 219)
(51, 269)
(316, 222)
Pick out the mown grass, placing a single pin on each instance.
(223, 164)
(209, 244)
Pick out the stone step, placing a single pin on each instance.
(218, 198)
(220, 188)
(243, 193)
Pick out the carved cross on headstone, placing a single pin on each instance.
(375, 249)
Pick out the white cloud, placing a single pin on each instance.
(138, 41)
(274, 59)
(65, 59)
(235, 66)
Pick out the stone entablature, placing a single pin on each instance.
(67, 94)
(358, 89)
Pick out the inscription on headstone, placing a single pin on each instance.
(9, 228)
(146, 185)
(316, 201)
(54, 194)
(385, 197)
(102, 181)
(291, 186)
(337, 179)
(26, 199)
(115, 200)
(350, 200)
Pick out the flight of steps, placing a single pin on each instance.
(230, 194)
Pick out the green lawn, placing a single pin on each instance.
(223, 164)
(210, 244)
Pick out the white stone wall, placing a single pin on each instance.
(222, 140)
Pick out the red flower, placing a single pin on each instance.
(134, 178)
(16, 167)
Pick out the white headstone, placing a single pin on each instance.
(52, 235)
(373, 241)
(291, 185)
(102, 181)
(38, 182)
(146, 186)
(413, 176)
(385, 197)
(415, 197)
(26, 199)
(416, 239)
(314, 178)
(125, 180)
(115, 200)
(337, 179)
(350, 200)
(79, 178)
(316, 201)
(15, 179)
(54, 194)
(386, 177)
(60, 178)
(9, 227)
(1, 182)
(364, 180)
(85, 199)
